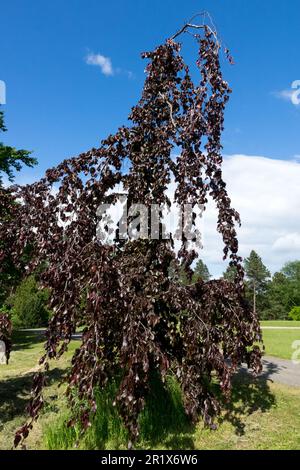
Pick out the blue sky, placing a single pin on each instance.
(58, 105)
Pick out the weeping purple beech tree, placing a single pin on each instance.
(139, 319)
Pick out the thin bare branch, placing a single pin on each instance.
(187, 26)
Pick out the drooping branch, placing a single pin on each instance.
(137, 317)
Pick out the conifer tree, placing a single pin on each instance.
(257, 275)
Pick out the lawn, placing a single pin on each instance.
(279, 343)
(261, 414)
(281, 323)
(15, 382)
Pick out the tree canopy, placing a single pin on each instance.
(230, 273)
(257, 275)
(139, 319)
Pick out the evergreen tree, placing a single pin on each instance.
(291, 271)
(282, 293)
(230, 273)
(12, 159)
(257, 275)
(201, 272)
(277, 298)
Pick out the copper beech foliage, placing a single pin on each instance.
(138, 318)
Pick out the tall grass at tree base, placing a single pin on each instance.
(163, 415)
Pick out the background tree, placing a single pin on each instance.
(291, 271)
(230, 273)
(277, 298)
(29, 305)
(139, 320)
(282, 293)
(257, 275)
(201, 272)
(12, 159)
(295, 314)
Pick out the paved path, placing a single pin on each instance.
(281, 371)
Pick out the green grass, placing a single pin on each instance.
(278, 343)
(260, 415)
(280, 323)
(15, 385)
(163, 420)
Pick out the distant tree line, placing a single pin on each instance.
(274, 297)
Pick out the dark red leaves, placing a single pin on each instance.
(137, 317)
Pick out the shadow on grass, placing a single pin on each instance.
(15, 394)
(164, 418)
(24, 339)
(249, 394)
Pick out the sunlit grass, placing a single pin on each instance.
(281, 323)
(279, 343)
(261, 415)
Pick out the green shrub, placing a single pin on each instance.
(28, 305)
(295, 314)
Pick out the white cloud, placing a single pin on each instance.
(105, 64)
(292, 95)
(288, 242)
(266, 192)
(101, 61)
(284, 94)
